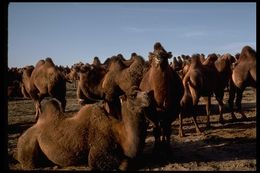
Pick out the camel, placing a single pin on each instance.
(14, 75)
(89, 88)
(243, 75)
(91, 137)
(99, 82)
(72, 77)
(168, 90)
(44, 80)
(201, 81)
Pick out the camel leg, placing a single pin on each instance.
(37, 109)
(29, 153)
(219, 98)
(63, 102)
(232, 93)
(208, 104)
(81, 97)
(123, 165)
(156, 134)
(167, 130)
(38, 105)
(180, 126)
(195, 122)
(238, 103)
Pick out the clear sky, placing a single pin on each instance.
(74, 32)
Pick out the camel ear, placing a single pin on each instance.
(122, 98)
(106, 107)
(169, 55)
(52, 106)
(150, 54)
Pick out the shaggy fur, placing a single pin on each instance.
(123, 76)
(92, 136)
(44, 80)
(98, 82)
(168, 91)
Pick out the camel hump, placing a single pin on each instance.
(247, 53)
(39, 63)
(49, 61)
(158, 46)
(50, 108)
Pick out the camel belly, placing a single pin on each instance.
(63, 150)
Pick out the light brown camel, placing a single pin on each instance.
(44, 80)
(91, 137)
(243, 75)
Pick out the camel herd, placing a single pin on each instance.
(119, 99)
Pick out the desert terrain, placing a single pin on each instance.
(228, 147)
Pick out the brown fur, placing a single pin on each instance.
(44, 80)
(72, 76)
(111, 82)
(243, 75)
(123, 76)
(201, 80)
(89, 88)
(90, 137)
(14, 79)
(168, 90)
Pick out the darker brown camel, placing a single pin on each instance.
(168, 91)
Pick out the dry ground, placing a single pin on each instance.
(231, 146)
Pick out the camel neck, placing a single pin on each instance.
(128, 132)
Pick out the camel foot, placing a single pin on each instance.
(181, 135)
(244, 118)
(124, 165)
(233, 117)
(166, 146)
(221, 121)
(207, 126)
(156, 147)
(200, 133)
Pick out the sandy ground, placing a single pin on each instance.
(231, 146)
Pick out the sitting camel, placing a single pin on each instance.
(91, 136)
(44, 80)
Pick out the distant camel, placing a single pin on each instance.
(44, 80)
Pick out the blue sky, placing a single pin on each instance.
(74, 32)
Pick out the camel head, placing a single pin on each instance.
(136, 100)
(195, 60)
(133, 109)
(96, 61)
(85, 72)
(159, 57)
(50, 108)
(210, 59)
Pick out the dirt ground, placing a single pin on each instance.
(231, 146)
